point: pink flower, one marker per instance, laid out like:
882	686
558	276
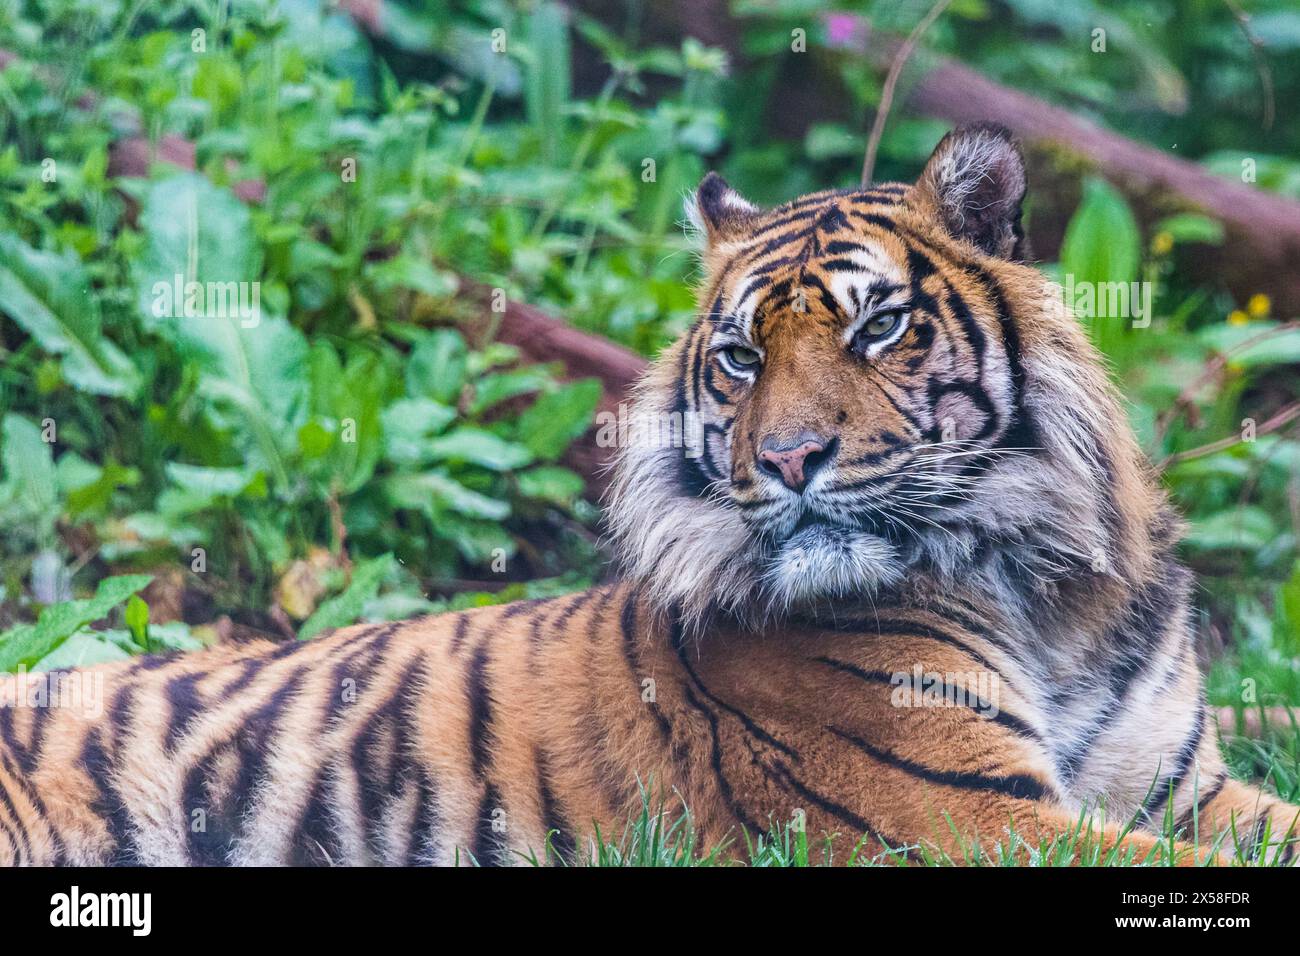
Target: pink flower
845	30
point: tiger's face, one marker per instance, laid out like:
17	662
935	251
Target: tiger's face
856	391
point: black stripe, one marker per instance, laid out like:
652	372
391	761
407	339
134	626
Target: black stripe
254	742
860	824
719	775
186	705
1018	786
627	624
898	627
316	841
557	828
679	645
1193	814
375	783
28	790
481	736
1002	718
1160	795
486	848
461	631
426	821
98	766
17	834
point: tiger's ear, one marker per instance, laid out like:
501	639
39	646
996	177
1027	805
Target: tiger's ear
975	179
717	210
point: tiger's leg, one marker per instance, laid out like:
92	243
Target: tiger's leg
985	793
1243	821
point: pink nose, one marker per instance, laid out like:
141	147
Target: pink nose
794	466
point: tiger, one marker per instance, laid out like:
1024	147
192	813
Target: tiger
898	576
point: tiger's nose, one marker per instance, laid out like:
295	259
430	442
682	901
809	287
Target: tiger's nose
795	465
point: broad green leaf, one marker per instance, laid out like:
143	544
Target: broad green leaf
436	367
26	644
1268	343
556	419
478	447
28	480
1192	227
1246	528
209	483
1100	254
434	492
85	648
199	238
195	232
409	424
477	541
137	620
49	296
550	483
498	387
345	608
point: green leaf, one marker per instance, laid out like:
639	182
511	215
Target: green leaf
193	231
1192	227
436	367
83	649
550	483
1241	529
345	608
209	483
26	644
433	492
492	389
1102	248
1273	347
557	418
478	447
350	401
49	296
409	424
137	620
28	480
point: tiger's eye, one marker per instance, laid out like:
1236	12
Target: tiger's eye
881	324
743	357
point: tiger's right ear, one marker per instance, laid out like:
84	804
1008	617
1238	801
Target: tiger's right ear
975	180
717	210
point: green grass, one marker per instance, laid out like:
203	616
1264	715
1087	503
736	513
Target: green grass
663	833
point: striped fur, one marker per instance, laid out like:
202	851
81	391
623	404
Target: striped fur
981	513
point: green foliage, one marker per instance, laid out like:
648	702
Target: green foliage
27	644
365	409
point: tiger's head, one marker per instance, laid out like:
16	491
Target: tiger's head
876	389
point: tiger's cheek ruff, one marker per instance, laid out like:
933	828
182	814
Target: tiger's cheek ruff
689	547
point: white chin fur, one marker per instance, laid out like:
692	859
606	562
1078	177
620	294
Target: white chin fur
829	562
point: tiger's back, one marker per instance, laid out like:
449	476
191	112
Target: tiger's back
511	734
493	736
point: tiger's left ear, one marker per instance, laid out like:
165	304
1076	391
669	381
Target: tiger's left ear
975	179
717	210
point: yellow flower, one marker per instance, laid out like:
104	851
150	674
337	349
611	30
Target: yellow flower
1258	305
1237	317
1161	243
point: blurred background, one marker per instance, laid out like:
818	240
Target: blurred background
462	223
